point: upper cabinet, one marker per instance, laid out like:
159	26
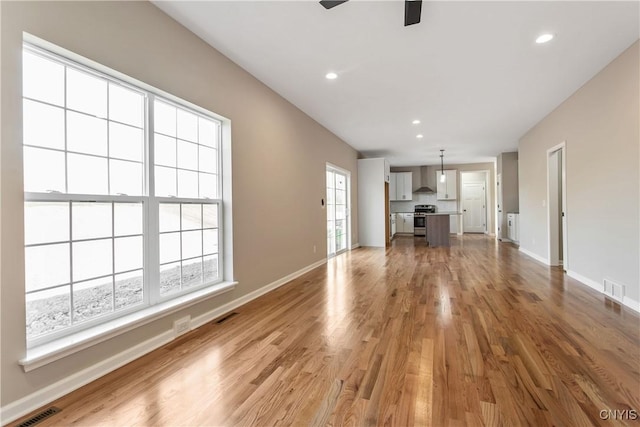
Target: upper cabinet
400	186
393	179
447	190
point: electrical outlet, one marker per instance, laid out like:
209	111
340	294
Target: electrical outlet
182	326
613	290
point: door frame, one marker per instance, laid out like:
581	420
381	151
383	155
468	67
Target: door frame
484	194
487	198
553	240
329	167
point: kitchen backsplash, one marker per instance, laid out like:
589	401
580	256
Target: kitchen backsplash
425	199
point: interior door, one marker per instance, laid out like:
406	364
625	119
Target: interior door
473	207
337	211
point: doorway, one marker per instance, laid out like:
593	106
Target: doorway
475	215
338	209
556	203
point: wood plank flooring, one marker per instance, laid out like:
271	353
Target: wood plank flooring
476	334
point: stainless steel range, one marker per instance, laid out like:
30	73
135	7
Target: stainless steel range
420	219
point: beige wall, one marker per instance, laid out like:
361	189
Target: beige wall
279	157
600	125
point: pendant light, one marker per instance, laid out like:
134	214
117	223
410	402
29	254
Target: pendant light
443	177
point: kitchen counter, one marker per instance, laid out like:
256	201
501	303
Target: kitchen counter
445	213
438	225
436	213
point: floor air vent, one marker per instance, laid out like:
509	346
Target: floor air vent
40	417
225	318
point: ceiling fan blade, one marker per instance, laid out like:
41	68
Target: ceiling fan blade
328	4
412	10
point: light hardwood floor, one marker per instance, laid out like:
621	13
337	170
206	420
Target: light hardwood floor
475	334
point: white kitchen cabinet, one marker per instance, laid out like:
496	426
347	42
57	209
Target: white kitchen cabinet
403	186
447	190
512	227
404	223
392	186
393	224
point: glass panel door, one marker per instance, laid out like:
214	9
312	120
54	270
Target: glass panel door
337	211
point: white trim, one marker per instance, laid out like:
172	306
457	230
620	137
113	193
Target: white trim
55	344
485	202
73	343
330	167
532	255
631	303
29	403
562	147
356	246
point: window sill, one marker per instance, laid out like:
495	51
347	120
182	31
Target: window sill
63	347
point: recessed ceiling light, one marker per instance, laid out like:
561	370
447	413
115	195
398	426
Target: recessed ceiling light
543	38
419	135
331	76
416	122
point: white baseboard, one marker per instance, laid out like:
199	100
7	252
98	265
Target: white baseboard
632	304
534	256
355	246
628	302
23	406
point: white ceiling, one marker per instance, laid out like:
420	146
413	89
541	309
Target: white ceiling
470	71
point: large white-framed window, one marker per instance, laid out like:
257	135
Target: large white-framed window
123	196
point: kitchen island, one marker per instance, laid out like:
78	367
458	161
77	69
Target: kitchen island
438	225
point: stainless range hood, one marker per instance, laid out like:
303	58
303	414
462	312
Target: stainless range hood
425	182
427	190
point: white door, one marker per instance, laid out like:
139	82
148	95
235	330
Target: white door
474	207
337	211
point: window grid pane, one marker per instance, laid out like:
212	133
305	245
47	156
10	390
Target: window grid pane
85	133
189	240
186	143
83	129
84	236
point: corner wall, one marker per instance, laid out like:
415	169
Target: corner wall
600	125
279	159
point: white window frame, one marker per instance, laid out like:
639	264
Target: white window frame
150	232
